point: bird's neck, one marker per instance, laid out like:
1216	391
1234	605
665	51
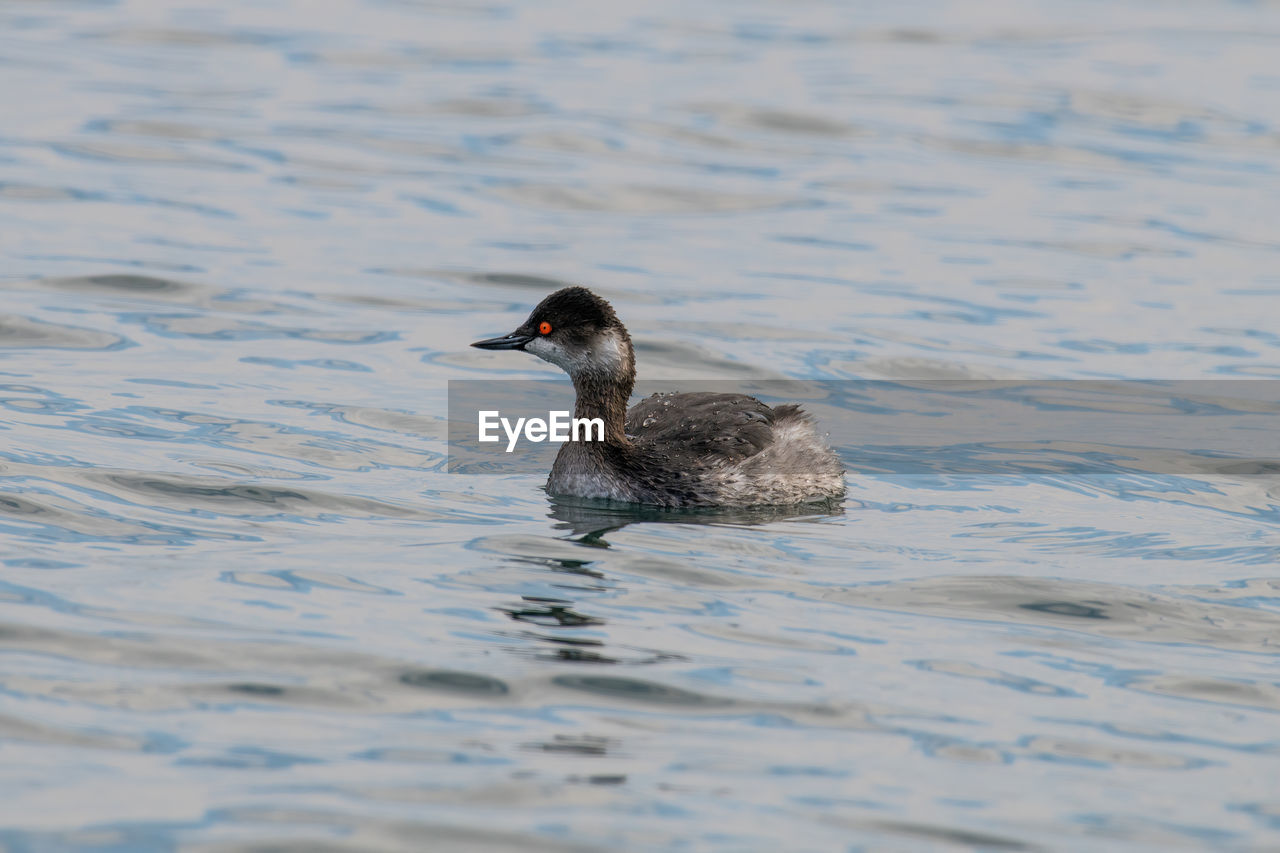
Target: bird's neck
604	397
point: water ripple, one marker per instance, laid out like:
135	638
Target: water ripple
245	603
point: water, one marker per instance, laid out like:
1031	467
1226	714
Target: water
244	248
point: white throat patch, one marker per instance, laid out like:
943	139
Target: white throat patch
606	355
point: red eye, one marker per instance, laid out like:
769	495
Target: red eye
544	327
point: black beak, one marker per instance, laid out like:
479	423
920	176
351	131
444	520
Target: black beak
515	340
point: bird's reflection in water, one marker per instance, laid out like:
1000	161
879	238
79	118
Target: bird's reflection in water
591	519
588	521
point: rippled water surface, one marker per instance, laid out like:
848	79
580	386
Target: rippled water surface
244	246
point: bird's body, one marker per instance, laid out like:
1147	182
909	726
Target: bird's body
669	450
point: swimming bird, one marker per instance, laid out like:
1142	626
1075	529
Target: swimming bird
669	450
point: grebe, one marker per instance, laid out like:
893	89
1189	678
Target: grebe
669	450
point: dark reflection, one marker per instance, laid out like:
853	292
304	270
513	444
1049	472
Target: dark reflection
575	745
1108	610
123	283
510	279
15	505
225	496
550	612
573	567
443	679
208	328
17	332
593	518
1077	609
1246	468
634	689
606	779
256	689
175	488
951	836
583	650
577	656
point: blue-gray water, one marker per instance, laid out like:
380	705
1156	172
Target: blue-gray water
243	247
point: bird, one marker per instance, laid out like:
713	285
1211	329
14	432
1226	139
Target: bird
670	450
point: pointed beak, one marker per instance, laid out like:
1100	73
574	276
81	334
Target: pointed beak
515	340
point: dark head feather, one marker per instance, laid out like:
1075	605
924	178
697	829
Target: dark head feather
576	308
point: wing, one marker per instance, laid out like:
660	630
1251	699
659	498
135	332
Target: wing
702	429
